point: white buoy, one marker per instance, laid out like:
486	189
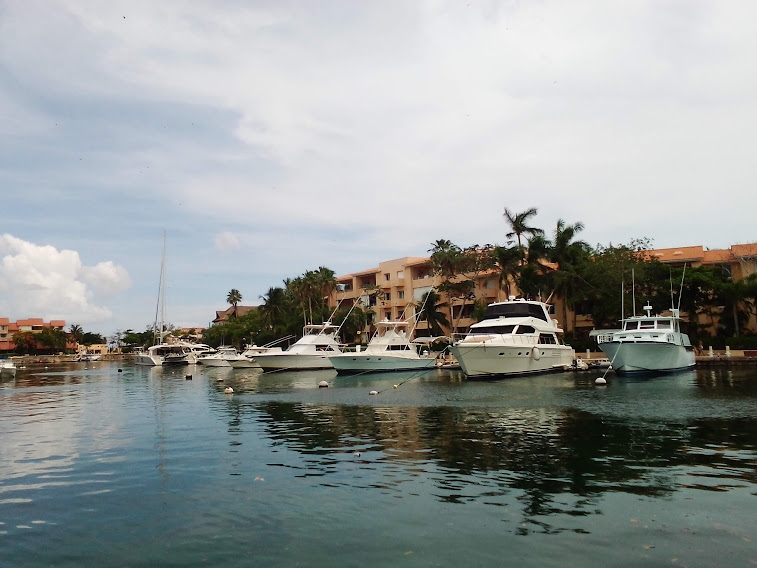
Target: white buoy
323	385
228	390
219	379
600	381
395	386
373	393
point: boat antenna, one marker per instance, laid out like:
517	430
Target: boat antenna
622	295
672	303
417	314
681	293
633	290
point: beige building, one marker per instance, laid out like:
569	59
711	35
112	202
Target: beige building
394	289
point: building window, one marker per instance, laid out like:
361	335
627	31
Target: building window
400	274
388	296
386	276
400	294
388	315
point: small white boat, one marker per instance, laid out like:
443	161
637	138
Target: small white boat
515	337
311	351
8	367
648	344
220	358
389	349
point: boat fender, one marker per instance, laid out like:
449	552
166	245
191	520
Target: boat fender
536	353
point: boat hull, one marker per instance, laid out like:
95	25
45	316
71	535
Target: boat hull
293	362
357	363
648	357
148	360
491	360
244	363
213	362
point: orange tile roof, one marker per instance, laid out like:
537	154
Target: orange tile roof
744	250
58	323
714	256
4	321
30	321
678	254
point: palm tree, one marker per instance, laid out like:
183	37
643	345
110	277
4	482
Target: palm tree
508	261
233	298
76	332
518	223
429	312
567	253
273	309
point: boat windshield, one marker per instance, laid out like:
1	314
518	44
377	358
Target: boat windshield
525	329
515	310
492	329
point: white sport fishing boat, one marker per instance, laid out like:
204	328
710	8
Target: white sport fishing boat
311	351
648	344
389	349
515	337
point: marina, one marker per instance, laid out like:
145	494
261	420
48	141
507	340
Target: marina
119	464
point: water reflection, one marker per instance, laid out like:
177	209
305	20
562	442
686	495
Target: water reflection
555	453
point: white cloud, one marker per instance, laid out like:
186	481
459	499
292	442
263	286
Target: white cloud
41	281
226	242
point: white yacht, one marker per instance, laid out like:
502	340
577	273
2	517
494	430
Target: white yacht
389	349
311	351
225	356
648	344
8	367
164	354
515	337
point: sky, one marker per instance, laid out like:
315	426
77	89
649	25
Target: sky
265	139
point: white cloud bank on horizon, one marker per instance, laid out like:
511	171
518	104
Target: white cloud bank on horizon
42	281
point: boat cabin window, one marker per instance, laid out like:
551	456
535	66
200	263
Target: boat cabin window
492	329
631	325
646	324
324	348
398	348
547	339
515	310
525	329
663	324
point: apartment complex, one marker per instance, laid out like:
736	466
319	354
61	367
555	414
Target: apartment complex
35	325
398	285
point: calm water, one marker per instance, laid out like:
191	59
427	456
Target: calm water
146	468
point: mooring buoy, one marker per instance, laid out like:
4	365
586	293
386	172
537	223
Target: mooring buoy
373	393
323	385
600	381
228	390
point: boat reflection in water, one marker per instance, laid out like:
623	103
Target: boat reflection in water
438	471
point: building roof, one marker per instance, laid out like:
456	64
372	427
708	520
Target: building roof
744	250
223	315
678	254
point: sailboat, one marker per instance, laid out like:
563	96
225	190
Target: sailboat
161	353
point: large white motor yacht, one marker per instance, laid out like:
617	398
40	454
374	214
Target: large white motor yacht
515	337
311	351
389	349
648	344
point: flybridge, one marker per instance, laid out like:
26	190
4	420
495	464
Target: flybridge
516	309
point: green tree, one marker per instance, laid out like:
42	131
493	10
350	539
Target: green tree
430	312
569	255
507	262
519	226
26	343
233	298
76	332
52	340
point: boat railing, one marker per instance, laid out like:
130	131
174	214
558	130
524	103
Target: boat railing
604	337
